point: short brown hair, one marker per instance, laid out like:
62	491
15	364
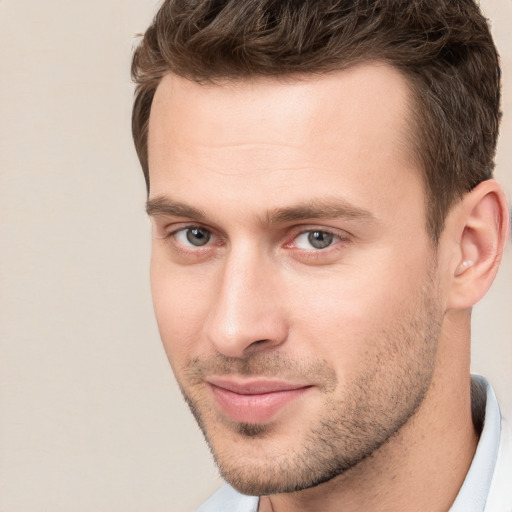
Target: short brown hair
443	47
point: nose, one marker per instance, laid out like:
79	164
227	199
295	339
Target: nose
246	316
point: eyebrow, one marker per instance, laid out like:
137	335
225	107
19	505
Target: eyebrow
319	209
162	206
330	208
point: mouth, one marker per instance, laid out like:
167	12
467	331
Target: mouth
254	401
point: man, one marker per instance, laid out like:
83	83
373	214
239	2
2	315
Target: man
324	218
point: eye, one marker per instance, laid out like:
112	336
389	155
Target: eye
315	239
194	235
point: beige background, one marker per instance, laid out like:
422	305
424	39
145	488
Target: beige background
90	417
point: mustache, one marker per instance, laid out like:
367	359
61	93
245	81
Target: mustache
317	371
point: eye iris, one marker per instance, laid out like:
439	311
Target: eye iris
198	236
320	239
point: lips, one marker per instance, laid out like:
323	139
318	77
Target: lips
255	401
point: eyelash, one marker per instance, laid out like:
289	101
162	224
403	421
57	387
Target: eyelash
311	253
336	237
318	256
191	249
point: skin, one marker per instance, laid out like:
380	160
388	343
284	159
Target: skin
375	326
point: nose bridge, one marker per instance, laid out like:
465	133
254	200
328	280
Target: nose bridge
245	308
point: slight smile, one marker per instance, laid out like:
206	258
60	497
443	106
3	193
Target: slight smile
255	401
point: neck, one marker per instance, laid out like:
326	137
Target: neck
433	450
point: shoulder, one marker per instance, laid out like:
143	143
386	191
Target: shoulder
226	498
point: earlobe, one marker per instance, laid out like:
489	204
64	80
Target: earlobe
482	226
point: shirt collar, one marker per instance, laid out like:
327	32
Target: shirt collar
473	493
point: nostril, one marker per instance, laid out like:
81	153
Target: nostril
257	342
258	345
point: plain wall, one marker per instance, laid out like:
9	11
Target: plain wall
90	417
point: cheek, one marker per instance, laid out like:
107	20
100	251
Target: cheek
346	318
181	307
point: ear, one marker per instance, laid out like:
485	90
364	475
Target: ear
481	228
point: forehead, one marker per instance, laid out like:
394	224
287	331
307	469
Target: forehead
234	111
348	130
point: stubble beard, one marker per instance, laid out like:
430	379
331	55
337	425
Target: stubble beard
357	421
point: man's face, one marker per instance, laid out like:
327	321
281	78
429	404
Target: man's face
293	280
